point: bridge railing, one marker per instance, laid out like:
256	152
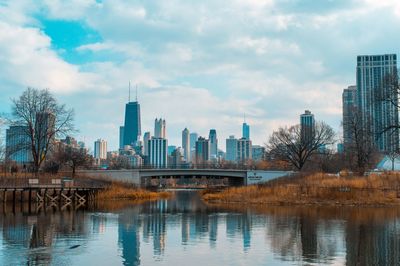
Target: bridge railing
203	166
51	182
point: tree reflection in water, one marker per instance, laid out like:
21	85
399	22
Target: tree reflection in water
305	235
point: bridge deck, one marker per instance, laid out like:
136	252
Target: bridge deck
18	183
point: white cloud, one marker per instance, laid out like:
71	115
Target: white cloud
27	60
200	64
72	9
393	5
266	46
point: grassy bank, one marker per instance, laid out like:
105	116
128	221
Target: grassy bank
381	189
122	191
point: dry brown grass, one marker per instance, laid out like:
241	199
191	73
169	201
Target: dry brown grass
120	191
317	189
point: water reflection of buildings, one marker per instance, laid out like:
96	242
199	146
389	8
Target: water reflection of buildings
314	237
213	222
239	223
155	225
128	237
99	223
304	237
371	244
39	232
301	235
196	220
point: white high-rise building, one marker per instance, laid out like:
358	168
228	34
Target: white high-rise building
160	128
231	149
100	149
158	152
186	144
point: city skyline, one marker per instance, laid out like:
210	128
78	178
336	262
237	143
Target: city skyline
271	69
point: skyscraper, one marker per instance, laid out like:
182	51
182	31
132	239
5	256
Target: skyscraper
176	158
132	126
193	138
231	149
146	138
349	103
170	149
244	149
202	150
100	149
44	131
121	137
307	124
186	144
159	128
213	143
258	153
245	131
18	144
376	114
158	152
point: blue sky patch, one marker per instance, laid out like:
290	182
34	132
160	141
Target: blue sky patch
66	36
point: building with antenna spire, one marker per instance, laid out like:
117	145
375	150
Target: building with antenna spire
132	125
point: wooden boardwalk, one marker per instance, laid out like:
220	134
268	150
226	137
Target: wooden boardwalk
48	191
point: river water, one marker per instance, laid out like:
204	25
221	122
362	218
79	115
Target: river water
185	231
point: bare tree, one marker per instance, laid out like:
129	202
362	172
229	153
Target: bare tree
389	93
120	162
361	150
289	144
41	119
74	158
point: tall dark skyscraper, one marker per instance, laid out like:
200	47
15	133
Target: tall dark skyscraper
202	150
349	100
213	143
121	137
307	123
132	126
45	125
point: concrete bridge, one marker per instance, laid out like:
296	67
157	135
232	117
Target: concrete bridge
149	177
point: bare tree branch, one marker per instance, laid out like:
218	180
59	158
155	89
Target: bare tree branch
42	120
361	149
288	144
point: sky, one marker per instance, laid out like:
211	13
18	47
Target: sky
197	64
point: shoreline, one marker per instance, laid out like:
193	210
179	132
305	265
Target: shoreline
314	190
113	191
123	192
298	204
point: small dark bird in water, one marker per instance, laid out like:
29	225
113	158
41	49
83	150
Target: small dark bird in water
74	246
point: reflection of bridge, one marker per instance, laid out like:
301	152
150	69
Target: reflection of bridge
229	177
